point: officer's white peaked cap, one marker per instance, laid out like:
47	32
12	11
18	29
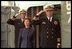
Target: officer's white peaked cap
22	11
47	6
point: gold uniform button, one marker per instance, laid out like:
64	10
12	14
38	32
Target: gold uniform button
52	36
47	32
47	28
47	36
52	29
52	32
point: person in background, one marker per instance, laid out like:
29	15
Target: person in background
17	23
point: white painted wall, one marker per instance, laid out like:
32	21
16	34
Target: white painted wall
26	4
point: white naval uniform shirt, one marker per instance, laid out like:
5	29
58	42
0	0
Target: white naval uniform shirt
49	18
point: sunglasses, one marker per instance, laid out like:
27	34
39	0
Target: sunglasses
22	13
49	10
